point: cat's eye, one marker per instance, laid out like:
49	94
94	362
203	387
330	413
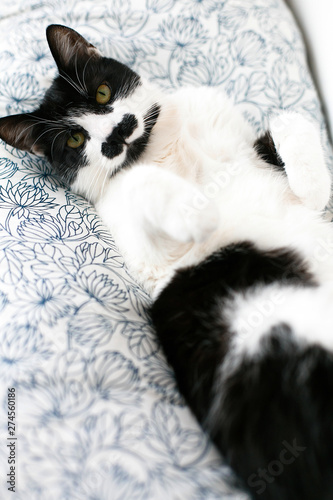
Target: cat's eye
76	140
103	94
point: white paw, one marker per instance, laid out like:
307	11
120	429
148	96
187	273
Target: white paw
187	216
187	225
298	143
315	192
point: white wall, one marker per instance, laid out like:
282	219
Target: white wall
315	17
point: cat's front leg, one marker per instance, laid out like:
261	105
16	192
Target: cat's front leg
176	207
150	203
298	143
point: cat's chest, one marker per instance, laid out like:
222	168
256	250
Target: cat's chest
198	133
195	158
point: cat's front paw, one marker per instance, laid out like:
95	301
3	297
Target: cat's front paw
310	180
315	194
182	213
186	224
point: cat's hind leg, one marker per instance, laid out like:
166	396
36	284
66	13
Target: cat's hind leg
298	150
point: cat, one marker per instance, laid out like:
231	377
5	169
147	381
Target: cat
225	230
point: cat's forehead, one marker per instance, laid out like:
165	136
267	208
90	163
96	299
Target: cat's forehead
99	126
76	89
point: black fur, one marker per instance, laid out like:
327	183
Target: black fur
275	427
188	318
266	149
249	426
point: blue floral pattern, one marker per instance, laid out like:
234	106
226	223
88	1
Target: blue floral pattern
98	414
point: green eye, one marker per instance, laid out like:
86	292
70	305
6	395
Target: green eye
103	94
76	140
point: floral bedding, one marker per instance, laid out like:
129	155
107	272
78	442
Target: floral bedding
89	407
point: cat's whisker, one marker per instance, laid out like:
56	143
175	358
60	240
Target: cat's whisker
43	120
48	120
125	87
84	73
25	130
54	139
43	133
94	183
85	92
90	188
149	119
71	82
97	179
101	169
104	181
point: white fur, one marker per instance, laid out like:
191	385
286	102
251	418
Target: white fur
200	186
253	314
298	143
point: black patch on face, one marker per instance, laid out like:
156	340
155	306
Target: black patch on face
137	147
195	334
114	144
266	149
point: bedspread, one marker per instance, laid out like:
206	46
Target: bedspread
97	412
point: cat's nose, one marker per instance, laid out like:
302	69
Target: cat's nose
116	136
120	136
115	142
124	129
114	147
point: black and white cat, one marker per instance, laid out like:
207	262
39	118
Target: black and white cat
225	230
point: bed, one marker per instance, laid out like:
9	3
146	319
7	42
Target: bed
97	412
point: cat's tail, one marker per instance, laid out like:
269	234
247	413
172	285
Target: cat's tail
273	419
240	332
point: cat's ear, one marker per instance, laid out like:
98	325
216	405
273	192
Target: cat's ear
68	46
19	131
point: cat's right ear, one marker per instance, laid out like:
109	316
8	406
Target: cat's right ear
19	131
67	46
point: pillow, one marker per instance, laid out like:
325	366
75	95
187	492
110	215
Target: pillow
98	414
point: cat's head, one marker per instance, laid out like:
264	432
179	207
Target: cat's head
94	120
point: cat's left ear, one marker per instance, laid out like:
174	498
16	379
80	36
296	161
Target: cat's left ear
19	131
68	46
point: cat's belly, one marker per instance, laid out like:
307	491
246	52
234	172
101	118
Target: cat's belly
300	230
253	205
271	224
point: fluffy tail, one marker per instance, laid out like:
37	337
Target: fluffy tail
273	421
269	413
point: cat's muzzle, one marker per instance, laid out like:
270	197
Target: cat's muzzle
120	137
